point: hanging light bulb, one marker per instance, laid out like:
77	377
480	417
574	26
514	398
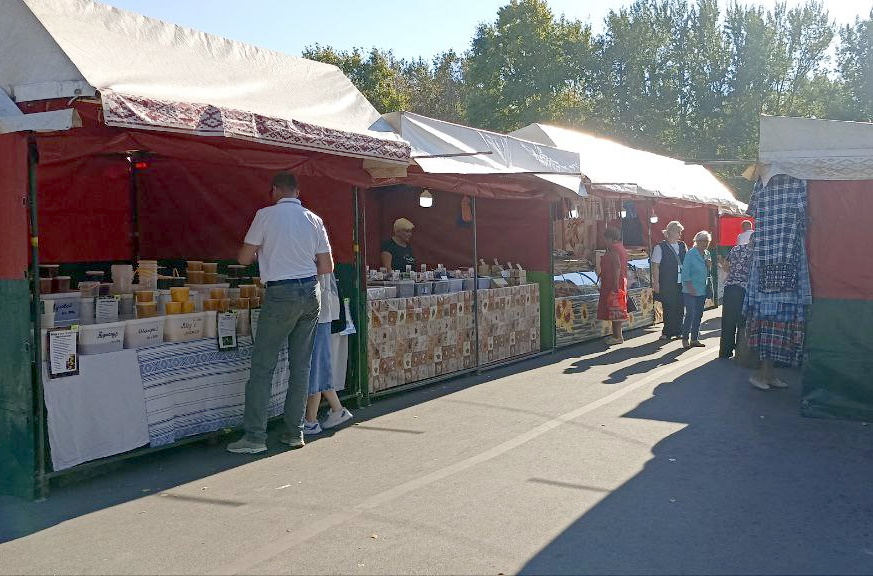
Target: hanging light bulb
623	213
425	200
653	219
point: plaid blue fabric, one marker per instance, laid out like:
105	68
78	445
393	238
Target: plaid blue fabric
779	288
780	342
779	209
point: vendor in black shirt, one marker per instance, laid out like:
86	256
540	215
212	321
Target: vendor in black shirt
396	251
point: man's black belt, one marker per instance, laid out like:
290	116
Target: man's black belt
292	281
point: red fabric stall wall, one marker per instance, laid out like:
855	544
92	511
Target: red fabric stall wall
13	209
509	230
694	219
439	237
838	239
201	210
197	196
729	227
516	231
84	210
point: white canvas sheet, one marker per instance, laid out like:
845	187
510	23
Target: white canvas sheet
504	154
64	48
617	168
812	149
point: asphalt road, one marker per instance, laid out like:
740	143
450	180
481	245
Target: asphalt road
639	459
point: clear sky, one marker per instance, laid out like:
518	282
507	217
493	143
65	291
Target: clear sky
410	28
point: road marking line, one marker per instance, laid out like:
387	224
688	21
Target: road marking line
246	563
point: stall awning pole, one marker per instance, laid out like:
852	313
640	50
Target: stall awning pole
35	312
360	249
475	280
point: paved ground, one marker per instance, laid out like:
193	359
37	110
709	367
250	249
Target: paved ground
641	459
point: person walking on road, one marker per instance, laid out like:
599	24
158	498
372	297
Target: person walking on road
733	322
612	305
695	274
292	249
667	258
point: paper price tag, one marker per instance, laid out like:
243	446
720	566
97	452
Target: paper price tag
62	352
106	309
227	330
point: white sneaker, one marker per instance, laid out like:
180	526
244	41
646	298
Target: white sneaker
759	383
336	418
777	383
311	428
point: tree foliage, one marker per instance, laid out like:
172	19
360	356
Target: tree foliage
688	78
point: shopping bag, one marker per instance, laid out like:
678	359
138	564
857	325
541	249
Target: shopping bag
745	356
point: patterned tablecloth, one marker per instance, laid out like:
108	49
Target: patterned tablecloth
576	316
413	339
193	387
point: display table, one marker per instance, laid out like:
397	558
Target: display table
576	316
155	396
414	339
509	322
193	387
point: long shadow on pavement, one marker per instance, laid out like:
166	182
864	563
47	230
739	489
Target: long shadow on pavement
748	486
118	482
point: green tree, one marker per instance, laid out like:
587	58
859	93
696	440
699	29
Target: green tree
855	65
527	67
778	65
438	89
379	75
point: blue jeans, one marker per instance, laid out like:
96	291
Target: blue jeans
693	316
289	314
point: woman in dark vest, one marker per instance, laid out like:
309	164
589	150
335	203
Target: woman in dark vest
667	259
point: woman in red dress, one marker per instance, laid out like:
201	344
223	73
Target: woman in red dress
612	306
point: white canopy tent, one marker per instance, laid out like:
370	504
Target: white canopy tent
440	147
619	169
811	149
12	119
154	75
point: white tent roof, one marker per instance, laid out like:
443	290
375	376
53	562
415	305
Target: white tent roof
811	149
617	168
156	75
444	148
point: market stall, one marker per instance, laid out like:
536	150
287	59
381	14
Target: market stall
135	217
632	190
481	241
831	163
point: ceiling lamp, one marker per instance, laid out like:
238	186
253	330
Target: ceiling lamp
425	200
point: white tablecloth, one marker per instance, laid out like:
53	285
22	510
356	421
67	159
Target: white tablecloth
158	395
99	412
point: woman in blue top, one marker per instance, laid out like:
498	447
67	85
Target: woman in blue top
695	273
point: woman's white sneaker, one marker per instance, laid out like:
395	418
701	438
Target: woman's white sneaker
336	418
311	428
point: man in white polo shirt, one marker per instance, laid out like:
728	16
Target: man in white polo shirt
292	249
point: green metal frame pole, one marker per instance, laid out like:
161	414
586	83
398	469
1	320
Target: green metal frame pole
553	218
360	248
475	279
36	368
